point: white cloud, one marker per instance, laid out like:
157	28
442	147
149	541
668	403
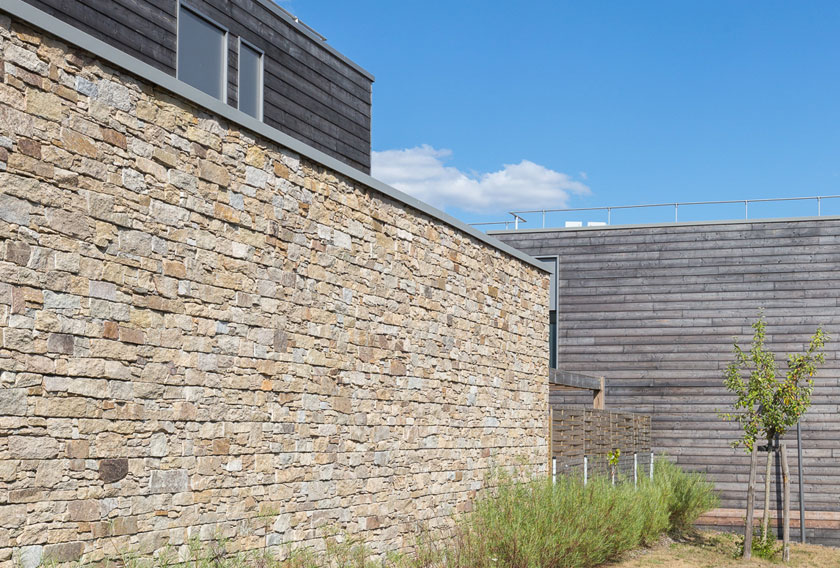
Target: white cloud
421	172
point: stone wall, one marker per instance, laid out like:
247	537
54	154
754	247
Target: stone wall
204	334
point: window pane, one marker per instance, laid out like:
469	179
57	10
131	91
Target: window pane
201	53
250	81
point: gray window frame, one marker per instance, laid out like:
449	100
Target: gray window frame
252	47
224	29
553	291
554	276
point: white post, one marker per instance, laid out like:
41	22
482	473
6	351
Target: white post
635	471
585	470
553	471
651	466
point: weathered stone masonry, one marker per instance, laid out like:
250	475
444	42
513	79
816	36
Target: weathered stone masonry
203	333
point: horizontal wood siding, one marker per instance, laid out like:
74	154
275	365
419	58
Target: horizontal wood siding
310	92
144	29
654	310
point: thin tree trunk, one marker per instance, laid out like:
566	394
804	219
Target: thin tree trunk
748	529
765	523
785	505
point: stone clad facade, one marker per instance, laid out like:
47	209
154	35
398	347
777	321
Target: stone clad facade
204	334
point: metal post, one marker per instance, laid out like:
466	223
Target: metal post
676	208
516	222
543	219
651	466
819	213
553	471
635	470
801	483
609	215
746	209
585	470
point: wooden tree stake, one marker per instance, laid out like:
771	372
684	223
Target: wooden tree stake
765	523
748	529
785	505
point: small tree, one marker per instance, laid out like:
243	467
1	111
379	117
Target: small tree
766	407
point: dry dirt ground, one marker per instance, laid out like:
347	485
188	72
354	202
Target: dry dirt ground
718	550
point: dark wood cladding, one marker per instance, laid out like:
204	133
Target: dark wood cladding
142	28
654	309
311	93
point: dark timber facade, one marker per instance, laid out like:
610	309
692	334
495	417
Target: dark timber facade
311	91
655	308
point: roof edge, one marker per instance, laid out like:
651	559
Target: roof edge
666	224
65	32
303	28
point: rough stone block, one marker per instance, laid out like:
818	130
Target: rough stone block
169	481
31	556
60	343
18	252
45	105
77	449
213	173
183	180
103	290
114	94
29	147
78	143
73	223
63	552
12	402
84	510
113	470
113	137
12	209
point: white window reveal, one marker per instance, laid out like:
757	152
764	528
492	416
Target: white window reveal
250	80
202	53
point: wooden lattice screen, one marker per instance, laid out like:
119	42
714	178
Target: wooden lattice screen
577	432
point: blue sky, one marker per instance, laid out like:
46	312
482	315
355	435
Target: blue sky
481	107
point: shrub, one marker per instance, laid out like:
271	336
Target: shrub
566	525
688	495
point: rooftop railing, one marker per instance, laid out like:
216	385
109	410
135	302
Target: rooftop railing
519	217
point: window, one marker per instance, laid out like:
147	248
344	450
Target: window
202	53
250	80
550	264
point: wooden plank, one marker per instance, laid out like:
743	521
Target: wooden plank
574	380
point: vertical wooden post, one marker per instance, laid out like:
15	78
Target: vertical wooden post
785	505
585	470
765	522
550	439
635	470
748	528
598	399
